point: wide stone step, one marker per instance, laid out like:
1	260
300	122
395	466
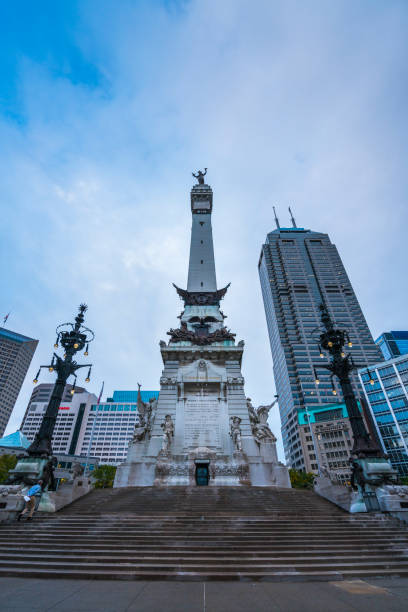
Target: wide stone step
231	500
339	550
292	576
201	541
216	534
208	518
225	538
230	532
157	566
202	552
202	559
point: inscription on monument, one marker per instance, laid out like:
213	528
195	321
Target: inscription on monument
202	422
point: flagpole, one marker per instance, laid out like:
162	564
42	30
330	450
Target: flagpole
93	429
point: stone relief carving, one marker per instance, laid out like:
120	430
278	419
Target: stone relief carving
184	334
201	298
164	380
259	425
179	470
168	432
235	432
235	380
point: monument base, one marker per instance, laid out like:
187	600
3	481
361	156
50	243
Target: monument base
168	469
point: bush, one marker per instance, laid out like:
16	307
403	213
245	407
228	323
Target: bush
301	480
7	463
404	480
104	476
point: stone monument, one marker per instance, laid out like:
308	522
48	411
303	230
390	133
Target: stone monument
202	429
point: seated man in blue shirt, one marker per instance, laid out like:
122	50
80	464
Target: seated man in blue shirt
30	503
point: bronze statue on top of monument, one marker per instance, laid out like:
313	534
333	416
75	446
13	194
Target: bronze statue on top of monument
200	176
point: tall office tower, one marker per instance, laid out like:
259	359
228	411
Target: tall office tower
71	413
16	353
299	269
393	343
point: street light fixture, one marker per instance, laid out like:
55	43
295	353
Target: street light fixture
365	450
72	337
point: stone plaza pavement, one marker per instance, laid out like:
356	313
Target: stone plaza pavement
373	594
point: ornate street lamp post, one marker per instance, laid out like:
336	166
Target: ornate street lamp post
72	337
370	467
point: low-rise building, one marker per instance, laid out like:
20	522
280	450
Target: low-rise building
70	417
393	344
85	428
14	444
108	427
327	439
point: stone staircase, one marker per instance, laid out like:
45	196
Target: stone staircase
204	533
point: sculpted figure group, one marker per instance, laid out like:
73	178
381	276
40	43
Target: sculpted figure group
146	415
259	422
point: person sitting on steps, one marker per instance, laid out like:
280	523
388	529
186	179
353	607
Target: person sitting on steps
31	500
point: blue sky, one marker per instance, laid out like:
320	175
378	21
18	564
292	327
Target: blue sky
107	107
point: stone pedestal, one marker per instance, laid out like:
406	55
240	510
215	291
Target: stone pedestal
52	501
11	502
338	494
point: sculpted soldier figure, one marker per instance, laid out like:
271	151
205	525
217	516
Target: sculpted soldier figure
168	432
235	432
200	176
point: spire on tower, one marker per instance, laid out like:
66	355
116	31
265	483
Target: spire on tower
292	218
276	218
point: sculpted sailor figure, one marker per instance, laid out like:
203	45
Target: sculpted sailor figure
235	432
168	432
200	176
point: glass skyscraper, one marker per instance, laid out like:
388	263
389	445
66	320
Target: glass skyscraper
16	353
393	343
299	269
386	391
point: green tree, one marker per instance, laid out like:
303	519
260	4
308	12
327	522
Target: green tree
301	480
104	476
7	463
404	480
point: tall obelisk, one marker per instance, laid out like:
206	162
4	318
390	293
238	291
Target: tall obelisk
202	430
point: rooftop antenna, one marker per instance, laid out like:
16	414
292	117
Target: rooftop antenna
292	218
276	218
